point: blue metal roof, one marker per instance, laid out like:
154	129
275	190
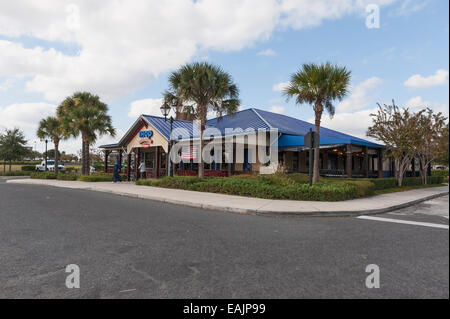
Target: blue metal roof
163	126
243	119
292	129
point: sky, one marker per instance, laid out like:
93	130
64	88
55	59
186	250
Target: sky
124	51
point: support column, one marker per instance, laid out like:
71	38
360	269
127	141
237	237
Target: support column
136	163
106	160
366	162
380	163
129	167
157	160
349	160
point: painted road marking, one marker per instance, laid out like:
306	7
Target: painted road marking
400	221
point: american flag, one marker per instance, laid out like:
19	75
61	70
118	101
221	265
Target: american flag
189	152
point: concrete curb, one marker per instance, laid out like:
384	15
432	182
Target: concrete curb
258	212
262	212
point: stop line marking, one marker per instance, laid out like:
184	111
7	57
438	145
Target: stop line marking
400	221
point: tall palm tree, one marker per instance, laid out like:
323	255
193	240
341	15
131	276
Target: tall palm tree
318	85
84	114
200	87
51	128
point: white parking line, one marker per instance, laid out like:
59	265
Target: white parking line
399	221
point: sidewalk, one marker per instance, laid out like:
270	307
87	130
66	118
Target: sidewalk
239	204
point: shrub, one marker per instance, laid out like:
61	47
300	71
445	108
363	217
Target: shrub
72	170
384	183
43	175
15	173
98	177
66	177
186	172
28	168
440	172
262	187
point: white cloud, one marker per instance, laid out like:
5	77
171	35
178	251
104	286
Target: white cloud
25	116
358	97
124	45
268	52
417	103
280	86
7	84
419	81
277	109
145	106
410	6
355	123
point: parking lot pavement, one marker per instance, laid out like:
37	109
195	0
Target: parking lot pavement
132	248
433	211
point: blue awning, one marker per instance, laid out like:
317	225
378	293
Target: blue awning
298	141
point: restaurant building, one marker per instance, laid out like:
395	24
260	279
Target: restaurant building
341	155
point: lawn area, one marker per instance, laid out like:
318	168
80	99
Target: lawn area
289	186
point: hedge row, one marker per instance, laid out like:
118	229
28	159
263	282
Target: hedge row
14	173
258	188
286	186
73	177
440	172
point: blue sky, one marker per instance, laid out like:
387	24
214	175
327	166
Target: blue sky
129	65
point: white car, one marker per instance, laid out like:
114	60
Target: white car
50	167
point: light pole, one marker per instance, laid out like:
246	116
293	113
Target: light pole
165	110
46	142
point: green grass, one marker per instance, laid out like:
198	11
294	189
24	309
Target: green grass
14	173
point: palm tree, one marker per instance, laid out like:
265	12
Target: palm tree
200	87
51	128
84	114
318	85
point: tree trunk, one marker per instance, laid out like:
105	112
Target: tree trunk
201	166
85	169
88	159
318	110
83	156
56	142
10	165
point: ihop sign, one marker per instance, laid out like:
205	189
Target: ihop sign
146	134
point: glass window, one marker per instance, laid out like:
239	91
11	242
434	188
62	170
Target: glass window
150	159
163	159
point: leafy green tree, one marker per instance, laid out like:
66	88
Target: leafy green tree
318	85
432	139
197	88
397	129
13	147
443	159
51	128
84	114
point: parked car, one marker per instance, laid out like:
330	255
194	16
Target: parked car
50	167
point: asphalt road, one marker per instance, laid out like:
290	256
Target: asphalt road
132	248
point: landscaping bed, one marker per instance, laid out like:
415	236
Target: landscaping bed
95	177
287	186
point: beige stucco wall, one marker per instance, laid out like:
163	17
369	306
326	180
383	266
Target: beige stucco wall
157	138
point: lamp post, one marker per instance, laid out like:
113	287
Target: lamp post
46	142
165	110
